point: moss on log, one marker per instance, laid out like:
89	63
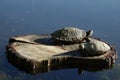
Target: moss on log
39	53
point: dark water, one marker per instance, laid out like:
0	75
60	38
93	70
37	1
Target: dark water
20	17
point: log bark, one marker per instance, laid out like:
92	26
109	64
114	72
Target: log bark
39	53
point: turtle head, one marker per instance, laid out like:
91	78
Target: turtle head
89	33
81	46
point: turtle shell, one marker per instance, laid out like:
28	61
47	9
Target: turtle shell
69	34
94	47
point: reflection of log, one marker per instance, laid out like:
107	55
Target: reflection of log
35	52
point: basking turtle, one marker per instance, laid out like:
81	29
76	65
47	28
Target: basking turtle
71	35
93	47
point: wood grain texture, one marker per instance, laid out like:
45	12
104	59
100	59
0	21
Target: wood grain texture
33	52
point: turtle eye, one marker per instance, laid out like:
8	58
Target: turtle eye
87	39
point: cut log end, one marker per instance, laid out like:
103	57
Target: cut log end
37	53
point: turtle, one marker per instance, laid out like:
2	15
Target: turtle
70	35
93	47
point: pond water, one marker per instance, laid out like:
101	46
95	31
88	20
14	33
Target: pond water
22	17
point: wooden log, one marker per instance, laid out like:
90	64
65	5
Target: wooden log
39	53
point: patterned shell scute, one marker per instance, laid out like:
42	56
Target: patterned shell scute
69	34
